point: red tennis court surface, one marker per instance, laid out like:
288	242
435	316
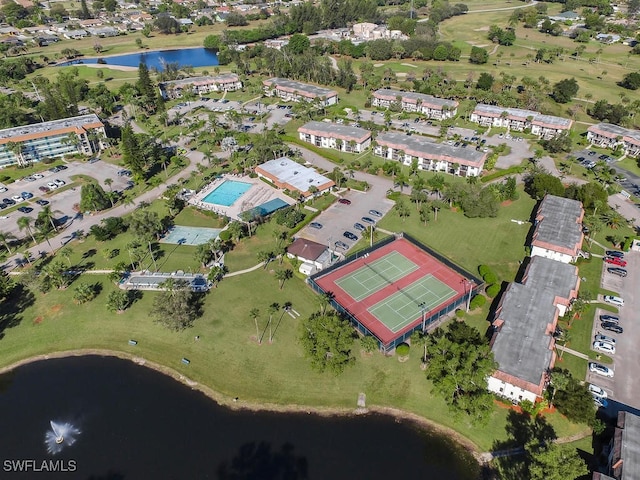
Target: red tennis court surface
361	308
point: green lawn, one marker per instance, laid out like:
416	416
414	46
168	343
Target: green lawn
498	242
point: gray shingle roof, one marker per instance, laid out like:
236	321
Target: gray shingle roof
335	130
559	222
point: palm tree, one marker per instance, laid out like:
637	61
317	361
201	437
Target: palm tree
324	300
66	253
284	275
255	313
273	308
47	213
108	182
369	232
24	223
5	239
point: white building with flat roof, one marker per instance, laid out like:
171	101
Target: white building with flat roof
286	174
293	91
32	143
331	135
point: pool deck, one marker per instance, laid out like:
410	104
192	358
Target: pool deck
258	194
146	280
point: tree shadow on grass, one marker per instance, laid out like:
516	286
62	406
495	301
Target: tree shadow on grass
257	461
13	307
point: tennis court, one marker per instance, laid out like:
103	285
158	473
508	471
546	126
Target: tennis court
376	274
403	307
182	235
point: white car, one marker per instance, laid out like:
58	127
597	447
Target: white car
17	198
597	391
604	338
604	347
59	182
600	370
3	189
37	175
52	185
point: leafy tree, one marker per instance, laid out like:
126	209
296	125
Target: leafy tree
327	341
176	307
85	292
298	43
93	197
565	90
631	81
485	81
118	301
571	398
539	184
553	461
459	363
478	55
235	19
606	112
369	343
145	225
559	143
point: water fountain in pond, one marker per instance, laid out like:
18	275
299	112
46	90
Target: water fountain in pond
61	435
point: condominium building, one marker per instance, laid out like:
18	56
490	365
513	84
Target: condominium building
32	143
331	135
432	156
623	461
227	82
432	107
558	229
524	324
607	135
517	119
292	91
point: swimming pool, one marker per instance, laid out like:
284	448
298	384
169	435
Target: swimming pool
227	193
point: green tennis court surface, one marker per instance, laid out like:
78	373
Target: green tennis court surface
375	275
403	307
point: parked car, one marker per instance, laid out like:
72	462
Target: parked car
375	213
368	220
613	300
609	318
52	185
8	201
342	245
44	189
600	370
614	253
3	189
616	261
315	225
37	175
3	206
350	236
25	209
621	272
604	347
597	391
17	198
26	195
42	203
611	327
344	201
62	167
591	153
604	338
600	402
59	182
359	227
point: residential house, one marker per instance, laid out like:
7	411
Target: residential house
313	255
431	156
432	107
517	119
524	324
607	135
292	91
557	230
286	174
345	138
75	34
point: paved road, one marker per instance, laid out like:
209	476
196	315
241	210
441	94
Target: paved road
623	387
86	222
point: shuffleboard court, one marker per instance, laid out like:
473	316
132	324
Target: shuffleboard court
403	307
375	275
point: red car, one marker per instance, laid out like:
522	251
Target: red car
344	201
616	261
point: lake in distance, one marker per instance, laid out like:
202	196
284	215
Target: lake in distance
194	57
137	423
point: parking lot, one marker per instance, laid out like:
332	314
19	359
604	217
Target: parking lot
61	200
623	387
